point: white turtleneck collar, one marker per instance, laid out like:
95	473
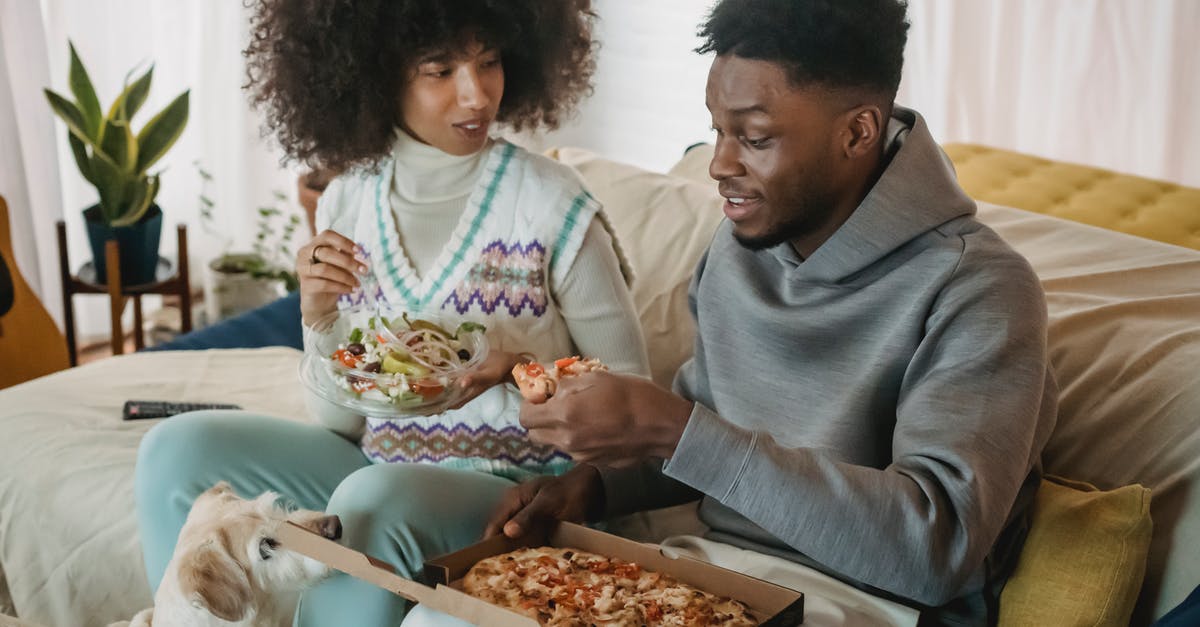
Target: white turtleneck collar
424	174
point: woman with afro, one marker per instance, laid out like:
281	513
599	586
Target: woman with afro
403	98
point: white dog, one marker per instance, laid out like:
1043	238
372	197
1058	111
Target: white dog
229	571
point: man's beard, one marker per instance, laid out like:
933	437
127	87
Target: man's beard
811	214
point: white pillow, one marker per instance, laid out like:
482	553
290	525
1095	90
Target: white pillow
664	225
694	165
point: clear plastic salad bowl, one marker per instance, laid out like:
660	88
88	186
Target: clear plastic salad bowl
389	362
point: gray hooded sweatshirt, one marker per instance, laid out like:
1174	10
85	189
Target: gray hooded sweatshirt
877	410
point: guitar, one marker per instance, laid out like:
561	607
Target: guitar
31	345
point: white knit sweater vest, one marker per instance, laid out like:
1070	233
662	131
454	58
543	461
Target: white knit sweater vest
523	223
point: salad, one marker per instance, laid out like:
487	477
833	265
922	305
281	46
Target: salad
408	363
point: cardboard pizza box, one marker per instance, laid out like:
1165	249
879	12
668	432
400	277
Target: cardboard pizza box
772	605
372	570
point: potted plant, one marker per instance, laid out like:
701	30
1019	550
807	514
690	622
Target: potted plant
241	281
116	160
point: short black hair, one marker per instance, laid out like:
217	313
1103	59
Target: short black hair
829	43
327	73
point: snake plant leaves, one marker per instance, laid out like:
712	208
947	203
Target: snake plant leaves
132	97
111	184
85	94
161	131
77	136
144	191
110	155
71	115
120	144
81	157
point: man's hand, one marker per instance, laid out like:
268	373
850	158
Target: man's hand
577	496
327	268
609	418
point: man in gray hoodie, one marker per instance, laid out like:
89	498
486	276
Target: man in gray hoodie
870	391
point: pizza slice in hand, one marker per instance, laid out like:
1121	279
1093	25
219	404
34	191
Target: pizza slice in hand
537	384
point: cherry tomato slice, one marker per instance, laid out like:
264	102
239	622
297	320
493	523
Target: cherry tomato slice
427	389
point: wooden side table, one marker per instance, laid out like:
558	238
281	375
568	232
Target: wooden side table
168	279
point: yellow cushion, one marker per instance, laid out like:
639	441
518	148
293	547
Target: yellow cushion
1121	202
1084	558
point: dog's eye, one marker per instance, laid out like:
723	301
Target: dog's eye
266	546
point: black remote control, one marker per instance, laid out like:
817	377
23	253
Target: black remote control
138	410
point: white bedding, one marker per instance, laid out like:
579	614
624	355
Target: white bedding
1125	340
68	539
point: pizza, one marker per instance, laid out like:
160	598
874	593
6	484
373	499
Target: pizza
563	586
538	383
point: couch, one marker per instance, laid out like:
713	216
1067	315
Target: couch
1125	342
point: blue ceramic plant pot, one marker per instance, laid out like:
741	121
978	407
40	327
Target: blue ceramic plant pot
137	244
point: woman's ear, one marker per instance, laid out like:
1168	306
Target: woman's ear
212	580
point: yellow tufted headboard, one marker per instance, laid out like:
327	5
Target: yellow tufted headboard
1147	208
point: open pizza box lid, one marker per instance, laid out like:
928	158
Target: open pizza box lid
442	598
772	605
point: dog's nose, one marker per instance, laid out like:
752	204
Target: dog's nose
331	527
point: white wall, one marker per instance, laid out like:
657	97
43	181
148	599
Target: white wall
649	99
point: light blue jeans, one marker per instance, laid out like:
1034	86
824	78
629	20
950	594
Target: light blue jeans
400	513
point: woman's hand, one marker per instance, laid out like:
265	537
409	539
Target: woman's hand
327	268
496	369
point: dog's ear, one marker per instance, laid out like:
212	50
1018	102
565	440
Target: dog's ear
212	580
221	487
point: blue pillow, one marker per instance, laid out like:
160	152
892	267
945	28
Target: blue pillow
1186	614
273	324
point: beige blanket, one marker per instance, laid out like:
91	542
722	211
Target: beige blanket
68	538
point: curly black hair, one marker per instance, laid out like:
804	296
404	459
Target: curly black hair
327	73
831	43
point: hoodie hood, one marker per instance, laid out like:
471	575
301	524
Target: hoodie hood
917	192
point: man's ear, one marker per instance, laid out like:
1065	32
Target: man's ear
863	130
212	580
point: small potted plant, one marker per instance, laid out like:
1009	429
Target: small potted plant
116	160
240	281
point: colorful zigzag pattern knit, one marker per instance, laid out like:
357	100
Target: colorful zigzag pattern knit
398	441
508	276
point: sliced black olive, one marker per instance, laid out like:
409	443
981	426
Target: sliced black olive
463	354
372	367
356	348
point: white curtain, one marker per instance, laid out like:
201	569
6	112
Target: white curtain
1110	83
28	154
